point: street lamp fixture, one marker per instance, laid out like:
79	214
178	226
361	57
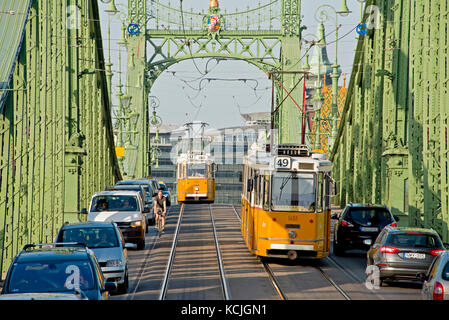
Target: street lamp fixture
126	100
306	66
344	10
122	42
112	9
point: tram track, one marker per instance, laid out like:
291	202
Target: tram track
177	240
282	295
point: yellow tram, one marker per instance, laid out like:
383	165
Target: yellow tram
286	203
196	177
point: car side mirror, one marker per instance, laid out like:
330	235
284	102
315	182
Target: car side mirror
146	209
332	188
422	276
334	216
396	218
110	286
446	245
83	211
130	245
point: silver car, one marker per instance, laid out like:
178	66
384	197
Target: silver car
108	245
436	281
404	253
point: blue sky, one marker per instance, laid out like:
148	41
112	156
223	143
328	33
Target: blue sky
220	102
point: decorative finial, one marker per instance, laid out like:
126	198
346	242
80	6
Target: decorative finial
213	3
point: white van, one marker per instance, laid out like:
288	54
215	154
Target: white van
125	208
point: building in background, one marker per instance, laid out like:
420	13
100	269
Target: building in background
228	146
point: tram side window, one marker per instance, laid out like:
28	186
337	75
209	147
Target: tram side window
266	193
321	186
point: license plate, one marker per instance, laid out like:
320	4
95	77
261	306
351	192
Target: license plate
414	255
367	229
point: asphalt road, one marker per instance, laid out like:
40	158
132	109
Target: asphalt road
195	270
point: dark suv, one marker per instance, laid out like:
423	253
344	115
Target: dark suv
358	226
57	268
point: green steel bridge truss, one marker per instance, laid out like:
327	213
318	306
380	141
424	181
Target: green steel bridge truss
392	146
57	146
268	36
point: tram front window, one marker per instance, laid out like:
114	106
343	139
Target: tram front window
293	192
196	170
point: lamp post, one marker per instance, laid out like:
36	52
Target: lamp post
120	111
319	40
322	15
111	11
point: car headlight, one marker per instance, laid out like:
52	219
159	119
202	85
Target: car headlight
136	224
292	234
113	263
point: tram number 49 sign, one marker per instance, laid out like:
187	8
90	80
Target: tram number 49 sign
283	163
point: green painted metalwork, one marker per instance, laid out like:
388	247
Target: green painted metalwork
56	138
175	34
392	145
13	15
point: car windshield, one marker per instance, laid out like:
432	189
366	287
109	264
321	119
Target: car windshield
94	237
196	170
114	203
414	240
58	276
370	216
293	192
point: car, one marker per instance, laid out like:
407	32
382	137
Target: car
154	183
57	268
125	208
108	245
43	296
436	280
147	200
403	253
358	226
150	190
165	192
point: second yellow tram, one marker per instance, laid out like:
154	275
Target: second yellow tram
286	203
196	178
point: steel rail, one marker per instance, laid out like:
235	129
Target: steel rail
164	286
224	284
273	280
333	283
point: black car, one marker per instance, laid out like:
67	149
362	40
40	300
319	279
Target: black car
359	225
57	268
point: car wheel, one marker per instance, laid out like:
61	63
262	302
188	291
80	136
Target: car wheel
338	249
123	288
141	244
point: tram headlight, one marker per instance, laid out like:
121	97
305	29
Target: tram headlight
292	234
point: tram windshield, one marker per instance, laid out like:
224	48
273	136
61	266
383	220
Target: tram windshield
196	170
293	192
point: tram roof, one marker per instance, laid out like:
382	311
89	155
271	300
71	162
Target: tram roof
266	161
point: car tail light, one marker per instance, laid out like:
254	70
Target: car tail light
345	223
386	249
436	252
394	224
438	291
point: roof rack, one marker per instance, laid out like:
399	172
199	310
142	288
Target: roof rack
33	245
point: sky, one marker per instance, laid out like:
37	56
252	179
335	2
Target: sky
220	103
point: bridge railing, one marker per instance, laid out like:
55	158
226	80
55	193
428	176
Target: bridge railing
392	146
56	140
